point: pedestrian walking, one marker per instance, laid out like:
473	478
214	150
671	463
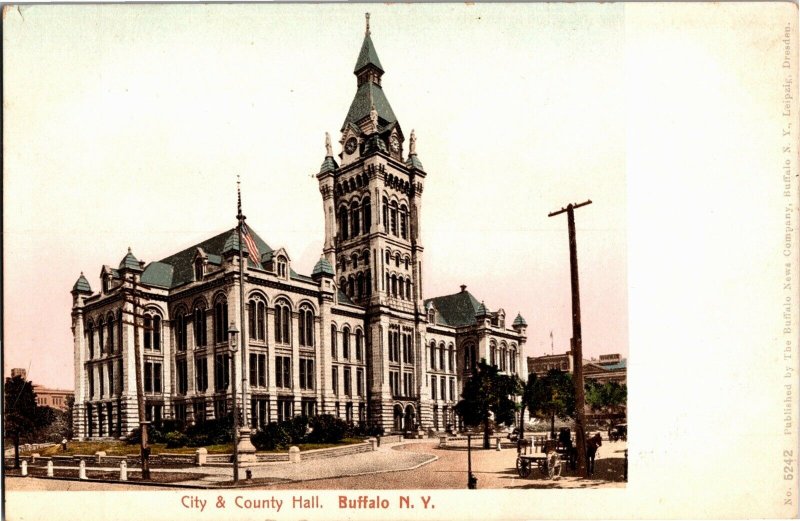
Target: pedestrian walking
591	451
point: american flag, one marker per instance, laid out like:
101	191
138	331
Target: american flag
255	256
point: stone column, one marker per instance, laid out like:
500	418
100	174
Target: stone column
295	325
79	358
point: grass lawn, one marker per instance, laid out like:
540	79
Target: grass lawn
120	448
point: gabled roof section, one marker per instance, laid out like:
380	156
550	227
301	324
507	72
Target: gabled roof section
158	274
182	262
367	56
367	94
455	310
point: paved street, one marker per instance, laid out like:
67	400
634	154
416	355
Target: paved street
412	465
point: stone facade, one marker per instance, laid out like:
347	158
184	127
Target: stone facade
355	339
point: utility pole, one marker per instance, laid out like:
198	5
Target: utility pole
144	450
577	346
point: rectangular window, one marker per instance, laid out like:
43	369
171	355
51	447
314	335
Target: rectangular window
91	382
148	377
347	382
360	382
201	373
394	382
348	411
408	384
157	377
443	387
200	327
258	413
335	380
102	381
283	371
334	349
180	411
452	389
284	410
309	408
220	408
222	372
433	388
306	374
199	411
181	374
121	377
111	378
451	360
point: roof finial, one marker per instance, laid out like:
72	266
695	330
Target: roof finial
328	147
239	197
129	249
367	15
412	147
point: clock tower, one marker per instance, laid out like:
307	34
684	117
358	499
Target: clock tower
372	204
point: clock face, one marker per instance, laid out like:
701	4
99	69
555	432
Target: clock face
395	144
350	145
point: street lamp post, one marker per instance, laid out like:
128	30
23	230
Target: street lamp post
232	332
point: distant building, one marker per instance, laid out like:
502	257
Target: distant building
45	396
607	368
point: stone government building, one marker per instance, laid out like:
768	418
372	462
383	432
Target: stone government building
355	338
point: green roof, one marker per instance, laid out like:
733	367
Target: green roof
129	261
323	267
367	94
482	311
455	310
519	321
368	56
178	269
413	162
82	285
232	243
329	165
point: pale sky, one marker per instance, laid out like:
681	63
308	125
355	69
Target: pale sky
127	125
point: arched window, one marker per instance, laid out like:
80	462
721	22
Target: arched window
451	358
90	338
283	315
221	322
387	256
493	354
306	326
351	284
354	260
346	343
152	332
503	358
403	222
397	260
442	354
343	284
360	279
283	272
180	331
334	347
367	208
355	212
406	262
401	289
394	285
256	310
200	327
110	328
385	215
198	269
359	345
393	218
343	226
433	354
368	283
512	360
100	334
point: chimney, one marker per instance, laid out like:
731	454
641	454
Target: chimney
463	288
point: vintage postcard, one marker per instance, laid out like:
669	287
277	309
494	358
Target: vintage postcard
400	261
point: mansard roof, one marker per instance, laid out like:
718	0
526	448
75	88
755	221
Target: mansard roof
455	310
178	269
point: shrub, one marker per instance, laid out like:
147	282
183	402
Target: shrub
153	436
198	440
176	439
327	429
297	428
273	436
217	432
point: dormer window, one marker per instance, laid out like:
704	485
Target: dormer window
282	267
198	269
431	315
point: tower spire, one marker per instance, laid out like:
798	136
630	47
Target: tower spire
367	17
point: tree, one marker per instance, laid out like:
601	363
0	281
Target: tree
608	396
550	397
488	395
23	418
